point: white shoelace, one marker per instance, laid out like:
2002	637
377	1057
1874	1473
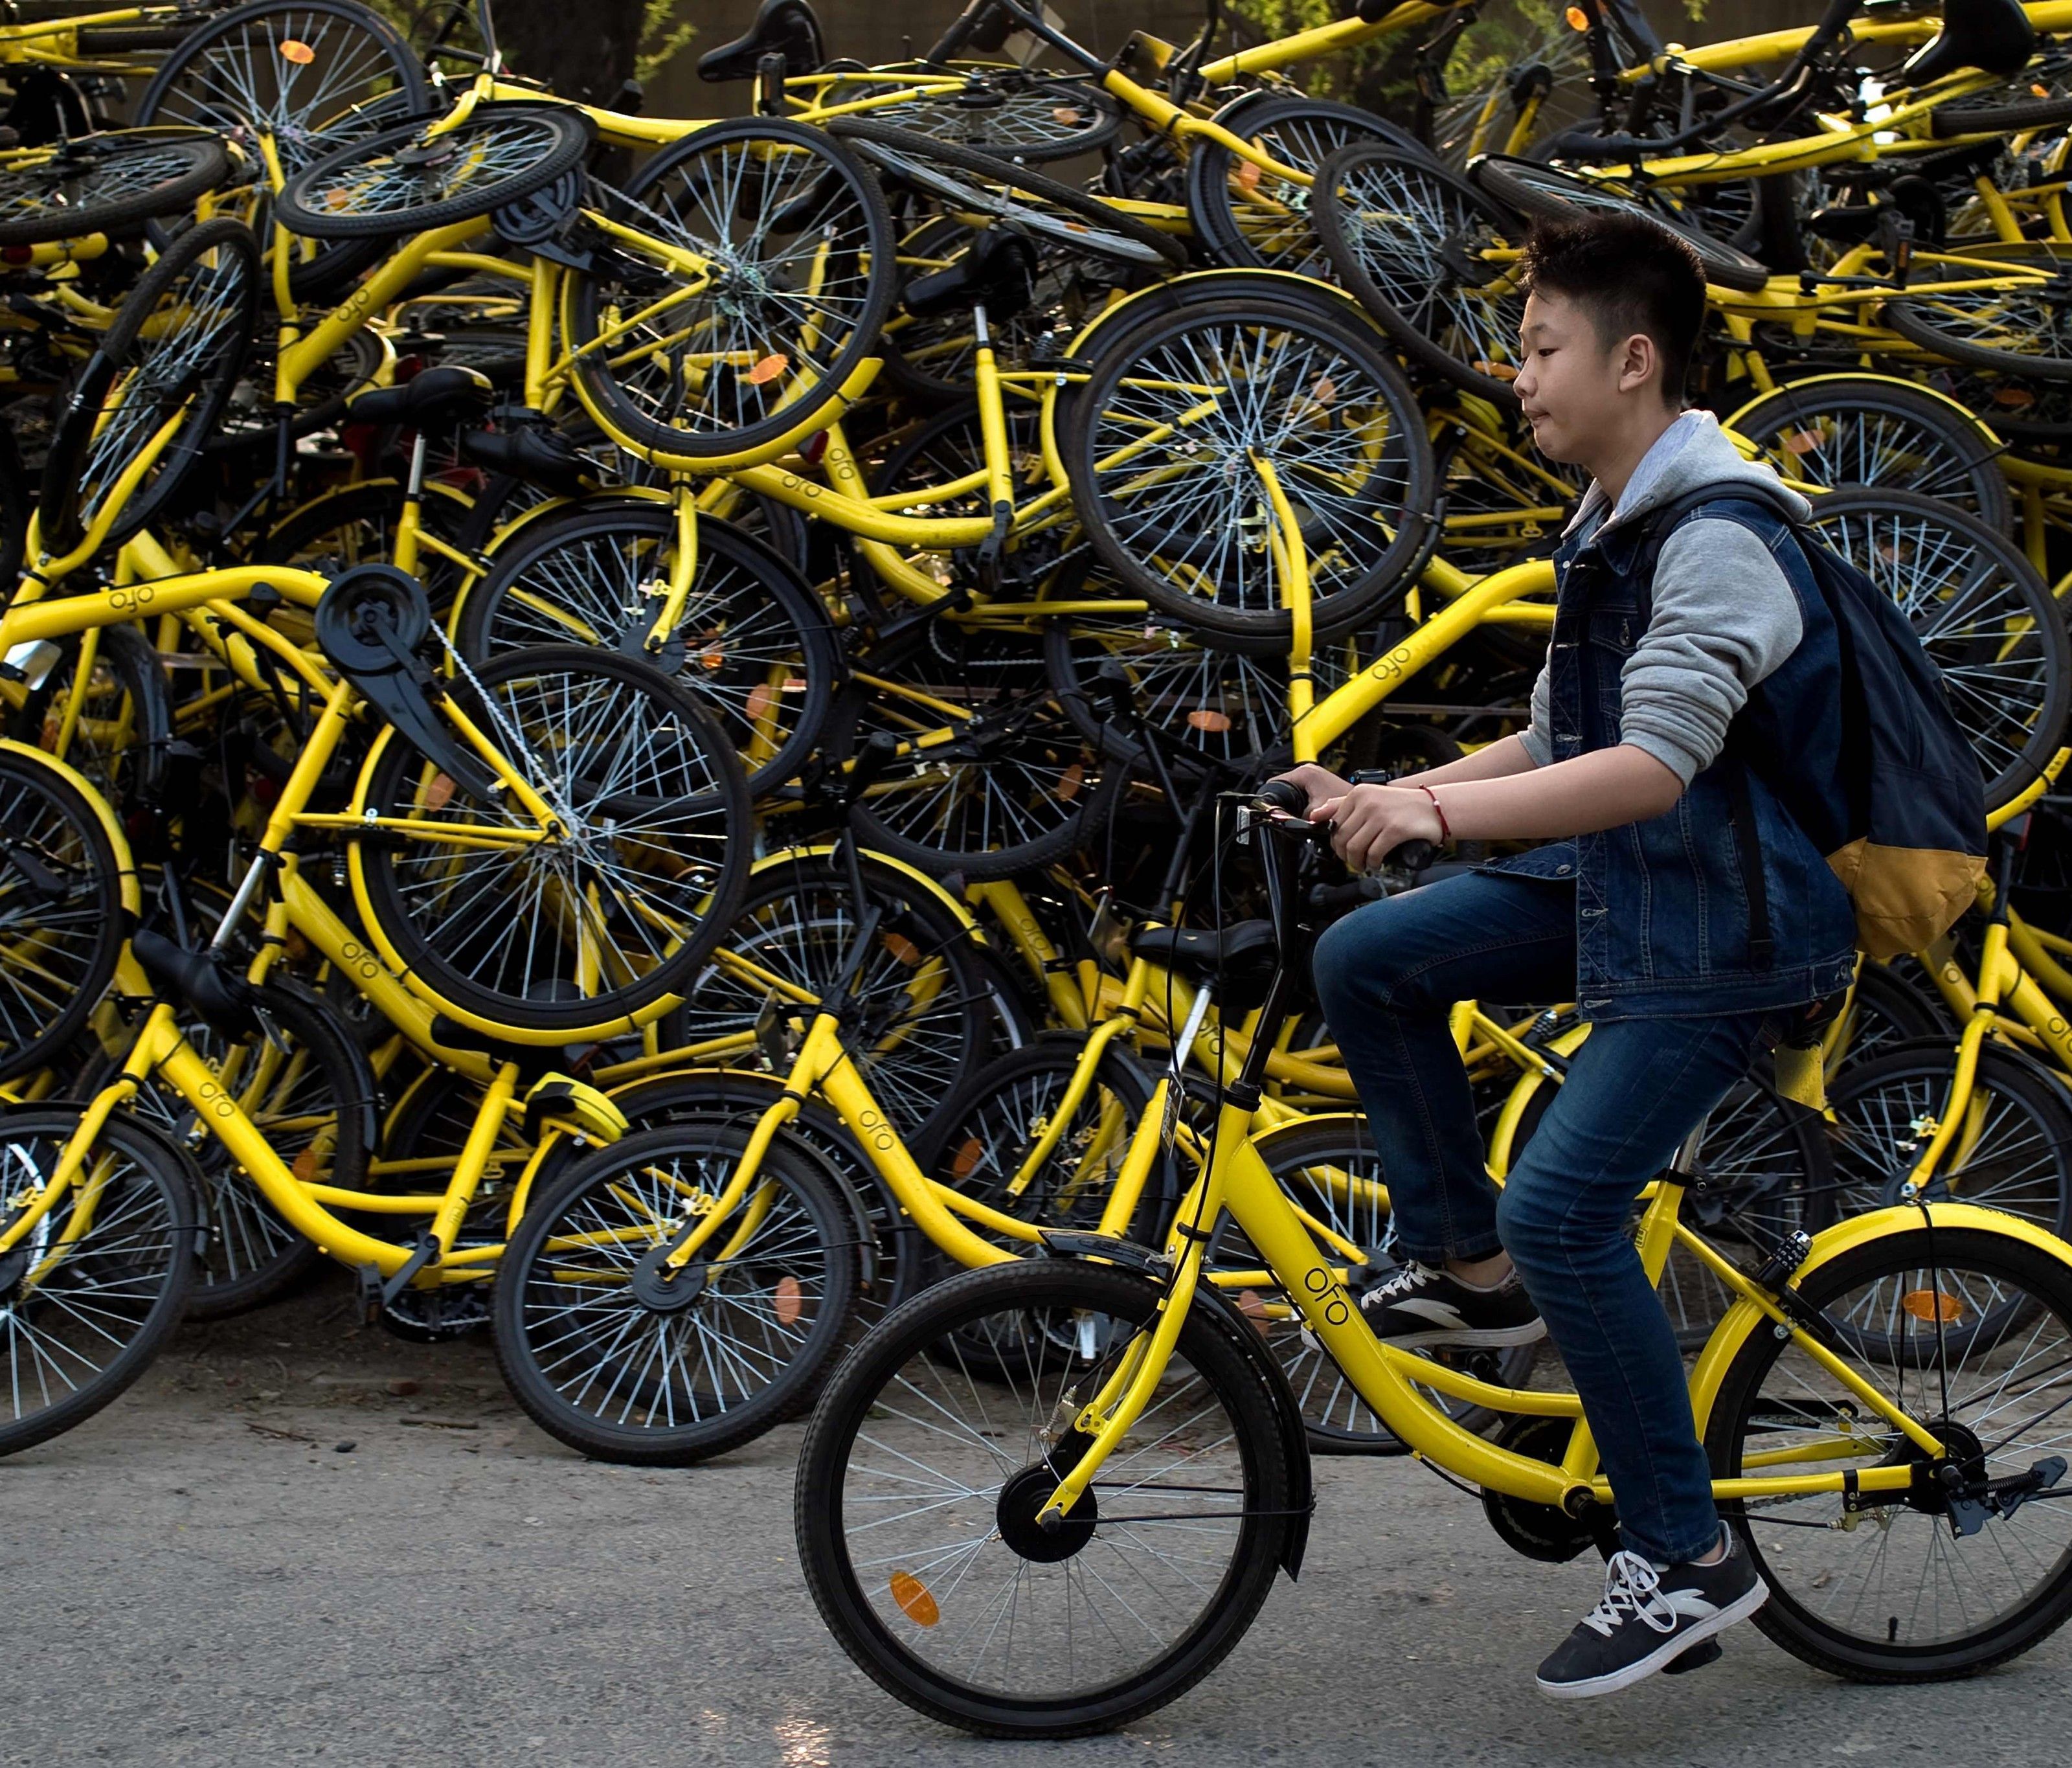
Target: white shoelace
1632	1588
1411	1278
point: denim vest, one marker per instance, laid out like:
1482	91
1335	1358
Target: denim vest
1664	907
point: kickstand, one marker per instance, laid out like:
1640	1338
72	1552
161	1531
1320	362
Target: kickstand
376	1291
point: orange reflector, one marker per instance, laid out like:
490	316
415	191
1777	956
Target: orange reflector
901	947
293	49
1501	370
791	1304
1248	176
714	659
2039	89
1067	114
1803	442
335	198
1068	786
915	1602
1932	1305
1217	721
760	699
768	369
1325	390
439	793
306	1166
964	1162
1249	1305
1578	19
2013	395
793	684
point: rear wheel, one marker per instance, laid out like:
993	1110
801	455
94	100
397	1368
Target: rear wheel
920	1480
1969	1333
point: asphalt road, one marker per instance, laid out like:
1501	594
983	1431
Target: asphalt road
200	1576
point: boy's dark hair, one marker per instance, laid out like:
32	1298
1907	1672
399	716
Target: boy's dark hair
1632	276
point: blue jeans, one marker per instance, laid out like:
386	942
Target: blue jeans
1386	976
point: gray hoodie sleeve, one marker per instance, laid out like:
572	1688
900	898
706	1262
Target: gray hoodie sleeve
1723	618
1538	736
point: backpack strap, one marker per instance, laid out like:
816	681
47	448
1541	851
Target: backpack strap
1661	523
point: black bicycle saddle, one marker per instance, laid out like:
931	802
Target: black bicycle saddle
1992	34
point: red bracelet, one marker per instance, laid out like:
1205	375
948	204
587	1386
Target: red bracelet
1445	833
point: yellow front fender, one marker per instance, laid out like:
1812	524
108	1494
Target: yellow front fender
1745	1318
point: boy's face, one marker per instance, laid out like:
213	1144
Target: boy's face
1573	388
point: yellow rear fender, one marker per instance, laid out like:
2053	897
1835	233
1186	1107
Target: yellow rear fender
1744	1319
125	866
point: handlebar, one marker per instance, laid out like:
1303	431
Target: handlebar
1285	796
1791	84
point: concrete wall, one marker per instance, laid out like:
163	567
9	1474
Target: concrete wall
880	31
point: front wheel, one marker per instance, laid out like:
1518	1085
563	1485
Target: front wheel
1968	1332
921	1478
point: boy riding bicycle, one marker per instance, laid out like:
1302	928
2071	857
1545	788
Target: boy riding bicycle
1677	902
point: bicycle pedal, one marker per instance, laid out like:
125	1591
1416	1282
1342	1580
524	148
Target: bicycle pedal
1705	1651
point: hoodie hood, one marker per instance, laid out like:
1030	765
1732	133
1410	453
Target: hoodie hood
1692	454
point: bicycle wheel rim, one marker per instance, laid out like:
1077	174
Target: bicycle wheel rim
607	919
809	256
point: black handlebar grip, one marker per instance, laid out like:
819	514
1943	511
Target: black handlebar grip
1284	796
1414	856
873	761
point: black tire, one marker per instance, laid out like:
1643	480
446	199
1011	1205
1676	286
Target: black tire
1100	229
922	1020
1542	194
1311	379
1222	1387
2017	1156
1823	1608
1403	237
104	184
61	912
317	1110
750	620
608	1409
403	181
1985	617
203	293
679	846
818	189
129	40
135	1258
1306	1158
1272	230
2020	325
1845	430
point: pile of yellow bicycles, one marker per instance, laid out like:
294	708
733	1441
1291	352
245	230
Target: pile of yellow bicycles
648	734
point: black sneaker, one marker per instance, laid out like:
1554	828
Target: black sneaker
1649	1618
1418	1304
